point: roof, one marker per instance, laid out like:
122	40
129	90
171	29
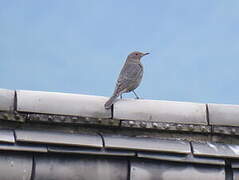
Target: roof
47	135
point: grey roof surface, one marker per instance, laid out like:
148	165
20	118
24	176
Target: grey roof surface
86	106
6	100
215	149
62	103
7	136
46	135
146	144
171	171
78	158
58	138
160	111
224	114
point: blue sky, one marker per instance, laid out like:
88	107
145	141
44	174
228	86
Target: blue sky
80	46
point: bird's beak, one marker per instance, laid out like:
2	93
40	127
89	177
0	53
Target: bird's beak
145	54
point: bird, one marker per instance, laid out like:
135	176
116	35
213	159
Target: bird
129	78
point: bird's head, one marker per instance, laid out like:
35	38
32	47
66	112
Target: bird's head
137	55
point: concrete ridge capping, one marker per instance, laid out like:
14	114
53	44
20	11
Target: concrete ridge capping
93	106
62	104
161	111
126	109
6	100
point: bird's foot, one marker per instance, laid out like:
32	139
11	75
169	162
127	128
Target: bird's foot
136	96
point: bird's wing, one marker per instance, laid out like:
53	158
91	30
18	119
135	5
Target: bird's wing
129	74
130	71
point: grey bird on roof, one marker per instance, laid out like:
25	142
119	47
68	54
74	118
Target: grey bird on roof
129	78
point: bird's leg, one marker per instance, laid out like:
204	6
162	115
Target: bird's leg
137	97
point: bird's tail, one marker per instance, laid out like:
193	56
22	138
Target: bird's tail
110	102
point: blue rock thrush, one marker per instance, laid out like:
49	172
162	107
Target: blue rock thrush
129	78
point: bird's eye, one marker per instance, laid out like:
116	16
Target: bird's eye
136	54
